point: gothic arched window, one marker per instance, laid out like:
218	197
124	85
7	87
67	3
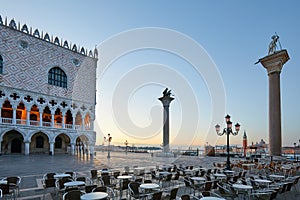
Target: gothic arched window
1	64
57	77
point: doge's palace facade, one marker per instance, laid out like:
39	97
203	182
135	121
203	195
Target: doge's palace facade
47	93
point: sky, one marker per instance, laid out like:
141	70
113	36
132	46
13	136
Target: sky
204	51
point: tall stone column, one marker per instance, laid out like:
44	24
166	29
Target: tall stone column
63	119
72	148
28	117
41	119
52	117
14	120
27	148
82	123
166	100
92	150
273	64
73	122
51	152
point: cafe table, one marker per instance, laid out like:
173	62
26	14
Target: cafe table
241	187
74	184
263	182
219	176
276	177
164	173
149	186
59	176
94	196
211	198
122	177
198	178
189	171
249	165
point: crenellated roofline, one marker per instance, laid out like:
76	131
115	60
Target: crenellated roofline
46	37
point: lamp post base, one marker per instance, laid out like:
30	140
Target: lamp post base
228	166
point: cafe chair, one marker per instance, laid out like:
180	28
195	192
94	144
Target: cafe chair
225	193
49	183
188	197
60	187
188	184
124	186
72	174
134	192
106	181
157	196
94	176
172	195
14	183
105	189
5	192
84	179
73	195
209	194
89	188
48	175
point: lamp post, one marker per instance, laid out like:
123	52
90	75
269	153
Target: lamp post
108	139
295	150
126	144
228	131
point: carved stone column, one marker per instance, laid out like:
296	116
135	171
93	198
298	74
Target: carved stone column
28	117
166	100
273	64
41	119
14	120
51	152
73	148
27	147
73	125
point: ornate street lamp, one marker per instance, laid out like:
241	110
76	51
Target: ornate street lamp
228	131
126	144
108	139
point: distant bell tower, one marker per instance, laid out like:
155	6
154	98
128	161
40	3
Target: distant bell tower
245	143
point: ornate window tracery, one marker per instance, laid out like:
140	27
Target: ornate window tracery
57	77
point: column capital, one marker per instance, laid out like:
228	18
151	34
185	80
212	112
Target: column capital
166	100
274	62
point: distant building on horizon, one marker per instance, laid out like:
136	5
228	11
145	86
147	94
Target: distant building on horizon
245	143
47	93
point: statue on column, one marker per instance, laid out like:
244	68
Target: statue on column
167	92
273	44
